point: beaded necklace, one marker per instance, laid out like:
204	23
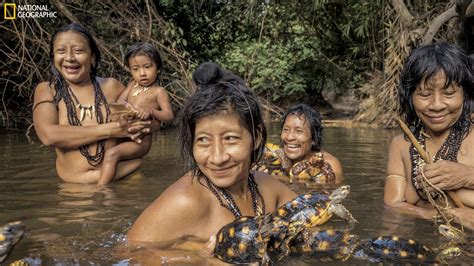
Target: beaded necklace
448	151
231	205
97	158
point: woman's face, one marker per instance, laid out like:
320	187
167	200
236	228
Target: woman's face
437	107
222	148
296	137
72	57
144	70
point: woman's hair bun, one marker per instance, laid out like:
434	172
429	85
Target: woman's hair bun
207	73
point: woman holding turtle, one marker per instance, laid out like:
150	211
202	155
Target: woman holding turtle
222	135
301	156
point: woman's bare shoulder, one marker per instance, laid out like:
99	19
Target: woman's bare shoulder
44	86
107	83
331	159
399	142
44	91
186	193
111	87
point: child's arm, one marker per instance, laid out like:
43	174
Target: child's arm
124	95
165	114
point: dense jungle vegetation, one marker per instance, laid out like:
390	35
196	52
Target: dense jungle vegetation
340	56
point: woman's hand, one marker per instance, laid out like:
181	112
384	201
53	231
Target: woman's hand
138	129
209	247
133	129
447	175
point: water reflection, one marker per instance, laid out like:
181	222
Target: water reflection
84	224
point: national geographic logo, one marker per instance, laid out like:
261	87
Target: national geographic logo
9	10
12	11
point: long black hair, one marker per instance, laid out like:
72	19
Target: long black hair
218	93
313	119
424	63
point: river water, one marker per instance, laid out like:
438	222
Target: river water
71	224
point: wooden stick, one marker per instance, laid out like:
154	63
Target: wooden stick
426	158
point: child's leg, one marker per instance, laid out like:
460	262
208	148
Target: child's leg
123	151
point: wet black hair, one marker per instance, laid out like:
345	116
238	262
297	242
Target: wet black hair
143	48
424	63
314	121
228	93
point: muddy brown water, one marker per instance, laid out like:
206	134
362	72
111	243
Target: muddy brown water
71	224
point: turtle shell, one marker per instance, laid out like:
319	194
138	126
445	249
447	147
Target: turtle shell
329	243
314	169
396	249
273	161
304	211
240	241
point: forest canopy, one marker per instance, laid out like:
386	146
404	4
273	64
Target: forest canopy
316	51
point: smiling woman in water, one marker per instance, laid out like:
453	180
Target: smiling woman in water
222	135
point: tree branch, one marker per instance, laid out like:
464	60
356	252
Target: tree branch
63	10
469	10
438	22
405	16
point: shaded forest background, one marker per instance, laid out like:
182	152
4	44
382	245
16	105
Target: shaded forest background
343	57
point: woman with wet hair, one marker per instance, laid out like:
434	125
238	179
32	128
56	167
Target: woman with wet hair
222	135
435	94
71	112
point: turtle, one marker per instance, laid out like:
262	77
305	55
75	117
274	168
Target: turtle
10	234
241	241
273	161
121	112
458	243
325	244
314	169
304	212
395	249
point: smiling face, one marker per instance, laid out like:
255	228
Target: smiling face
222	148
438	107
144	70
296	138
72	57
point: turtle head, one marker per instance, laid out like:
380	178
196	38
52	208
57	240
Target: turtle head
451	233
450	252
339	194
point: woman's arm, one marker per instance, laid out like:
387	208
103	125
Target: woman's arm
396	183
46	121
